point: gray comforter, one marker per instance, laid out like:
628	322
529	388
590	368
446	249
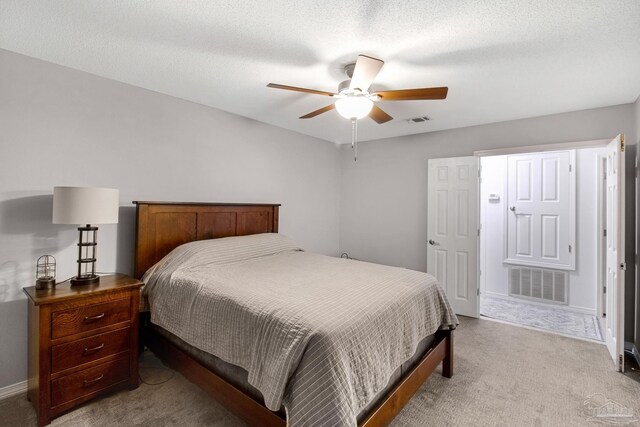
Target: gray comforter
318	335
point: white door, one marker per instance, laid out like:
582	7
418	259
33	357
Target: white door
614	323
452	230
541	201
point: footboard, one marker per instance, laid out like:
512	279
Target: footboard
255	413
442	351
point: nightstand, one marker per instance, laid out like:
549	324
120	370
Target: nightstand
83	342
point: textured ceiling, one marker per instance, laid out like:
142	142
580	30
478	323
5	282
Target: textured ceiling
501	60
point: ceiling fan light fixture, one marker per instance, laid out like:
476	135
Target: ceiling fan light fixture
354	107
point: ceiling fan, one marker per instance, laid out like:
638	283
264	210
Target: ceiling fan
353	98
354	101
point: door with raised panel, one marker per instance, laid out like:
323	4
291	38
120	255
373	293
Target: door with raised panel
541	209
452	230
615	268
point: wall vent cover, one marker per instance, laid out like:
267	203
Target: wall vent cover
538	283
418	119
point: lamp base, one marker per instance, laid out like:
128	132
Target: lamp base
87	279
45	282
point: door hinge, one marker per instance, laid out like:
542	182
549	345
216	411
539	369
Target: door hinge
478	232
570	168
569	248
622	142
623	266
605	232
478	292
604	289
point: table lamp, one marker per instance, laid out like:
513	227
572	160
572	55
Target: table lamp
86	205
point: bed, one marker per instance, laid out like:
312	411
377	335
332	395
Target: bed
331	341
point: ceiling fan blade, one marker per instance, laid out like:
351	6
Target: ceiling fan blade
379	116
366	70
300	89
413	94
318	112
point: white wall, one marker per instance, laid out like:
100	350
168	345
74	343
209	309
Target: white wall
494	278
59	126
582	280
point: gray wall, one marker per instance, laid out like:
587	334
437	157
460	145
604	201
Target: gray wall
383	214
59	126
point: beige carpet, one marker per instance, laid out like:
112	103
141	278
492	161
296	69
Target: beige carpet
503	375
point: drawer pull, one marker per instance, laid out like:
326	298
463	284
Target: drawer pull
93	318
93	381
91	350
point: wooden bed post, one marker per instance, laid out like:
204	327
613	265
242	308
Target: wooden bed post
447	362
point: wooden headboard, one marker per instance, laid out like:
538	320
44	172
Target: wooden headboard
163	226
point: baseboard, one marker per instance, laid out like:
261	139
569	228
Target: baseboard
13	389
573	308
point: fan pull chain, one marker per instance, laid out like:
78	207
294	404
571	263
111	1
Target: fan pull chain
354	138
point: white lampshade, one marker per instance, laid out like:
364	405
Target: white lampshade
354	107
85	205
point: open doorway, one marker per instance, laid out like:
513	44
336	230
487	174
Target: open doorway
460	242
542	246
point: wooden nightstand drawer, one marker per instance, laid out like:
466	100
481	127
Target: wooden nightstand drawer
83	343
89	381
75	353
81	319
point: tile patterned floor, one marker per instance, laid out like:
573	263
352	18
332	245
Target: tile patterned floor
540	316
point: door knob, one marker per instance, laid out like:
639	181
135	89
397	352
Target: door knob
512	208
433	242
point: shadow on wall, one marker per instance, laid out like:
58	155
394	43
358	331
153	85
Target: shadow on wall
13	336
126	240
26	232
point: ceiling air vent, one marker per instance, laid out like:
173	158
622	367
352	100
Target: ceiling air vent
418	119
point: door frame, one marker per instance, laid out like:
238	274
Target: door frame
561	146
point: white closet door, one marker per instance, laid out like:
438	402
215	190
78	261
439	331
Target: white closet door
452	229
614	323
541	203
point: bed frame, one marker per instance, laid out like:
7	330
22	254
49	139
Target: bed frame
162	226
